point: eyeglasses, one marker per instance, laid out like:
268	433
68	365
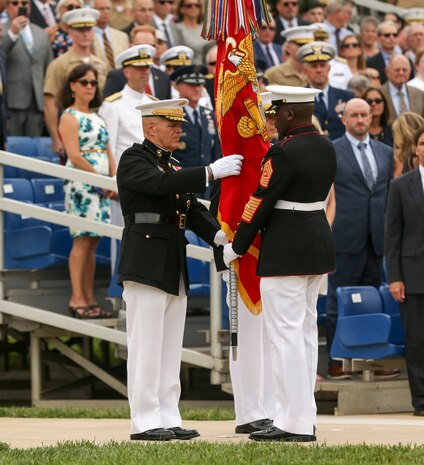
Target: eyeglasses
16	3
270	28
86	82
377	100
212	63
389	34
162	2
72	7
286	4
345	46
191	5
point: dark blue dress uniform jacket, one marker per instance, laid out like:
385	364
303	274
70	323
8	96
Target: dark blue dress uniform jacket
300	168
150	180
198	148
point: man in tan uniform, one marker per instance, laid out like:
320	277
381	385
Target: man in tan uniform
291	73
80	22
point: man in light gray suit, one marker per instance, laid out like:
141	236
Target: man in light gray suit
399	96
28	52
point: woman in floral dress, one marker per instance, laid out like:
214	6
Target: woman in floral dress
85	138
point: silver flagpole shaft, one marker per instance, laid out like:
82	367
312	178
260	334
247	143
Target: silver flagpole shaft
233	311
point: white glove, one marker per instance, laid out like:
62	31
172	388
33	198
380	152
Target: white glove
220	238
227	166
229	254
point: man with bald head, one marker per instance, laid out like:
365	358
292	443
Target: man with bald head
399	96
364	170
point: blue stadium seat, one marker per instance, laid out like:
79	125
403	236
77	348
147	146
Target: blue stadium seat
363	329
103	252
198	271
48	190
10	171
43	147
18	189
322	310
22	145
391	308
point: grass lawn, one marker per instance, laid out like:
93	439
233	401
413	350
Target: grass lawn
198	453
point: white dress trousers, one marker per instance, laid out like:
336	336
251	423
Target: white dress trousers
155	330
290	316
251	373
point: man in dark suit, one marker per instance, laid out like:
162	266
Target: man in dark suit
28	53
267	52
296	249
330	103
153	268
404	248
364	170
4	113
199	143
159	83
287	15
399	96
42	14
387	37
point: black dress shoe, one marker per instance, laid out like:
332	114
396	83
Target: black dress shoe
157	434
258	425
182	433
276	434
419	413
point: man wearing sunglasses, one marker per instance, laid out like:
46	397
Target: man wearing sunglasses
28	53
287	15
42	13
388	39
267	52
80	29
162	18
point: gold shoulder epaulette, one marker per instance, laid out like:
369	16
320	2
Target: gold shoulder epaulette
113	97
151	96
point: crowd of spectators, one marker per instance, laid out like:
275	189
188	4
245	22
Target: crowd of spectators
326	45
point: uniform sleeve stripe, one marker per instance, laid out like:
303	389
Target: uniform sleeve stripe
250	209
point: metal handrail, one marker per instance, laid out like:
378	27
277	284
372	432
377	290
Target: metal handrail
381	7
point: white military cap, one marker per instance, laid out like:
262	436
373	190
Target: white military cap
171	109
414	15
81	17
180	55
291	94
316	51
139	55
299	35
321	31
267	103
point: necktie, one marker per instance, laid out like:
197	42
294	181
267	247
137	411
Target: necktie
320	106
27	41
290	23
108	51
402	103
269	55
197	124
337	34
367	171
47	16
167	34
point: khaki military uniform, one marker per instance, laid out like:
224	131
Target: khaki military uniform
59	69
285	75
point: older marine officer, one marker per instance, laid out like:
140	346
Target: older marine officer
296	249
153	269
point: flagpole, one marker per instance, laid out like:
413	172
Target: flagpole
233	312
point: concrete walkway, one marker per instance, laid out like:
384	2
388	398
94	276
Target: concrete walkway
370	429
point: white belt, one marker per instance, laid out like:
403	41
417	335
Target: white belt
303	207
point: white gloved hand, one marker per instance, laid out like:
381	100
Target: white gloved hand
220	238
227	166
229	254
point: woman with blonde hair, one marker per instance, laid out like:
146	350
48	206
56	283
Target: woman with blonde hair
404	129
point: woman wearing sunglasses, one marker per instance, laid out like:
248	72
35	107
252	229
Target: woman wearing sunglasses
85	139
381	128
351	50
188	27
58	33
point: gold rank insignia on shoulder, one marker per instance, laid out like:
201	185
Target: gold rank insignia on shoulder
266	174
182	146
113	97
250	208
151	96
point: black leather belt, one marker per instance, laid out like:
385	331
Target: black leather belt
156	218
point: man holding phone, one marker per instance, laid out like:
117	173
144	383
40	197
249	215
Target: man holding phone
28	53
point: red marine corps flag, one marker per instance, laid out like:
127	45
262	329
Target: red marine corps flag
240	120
